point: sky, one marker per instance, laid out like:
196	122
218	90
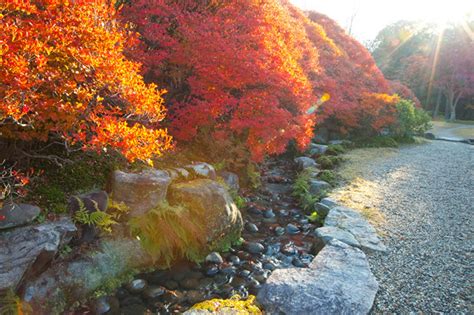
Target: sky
370	16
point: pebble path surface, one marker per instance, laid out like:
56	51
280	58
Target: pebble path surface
428	202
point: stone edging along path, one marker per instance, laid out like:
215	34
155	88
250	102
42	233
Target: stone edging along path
339	280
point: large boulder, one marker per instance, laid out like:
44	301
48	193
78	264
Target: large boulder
338	281
25	252
142	191
354	223
13	215
212	204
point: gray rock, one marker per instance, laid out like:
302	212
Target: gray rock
317	187
251	227
254	247
292	229
328	233
172	173
338	281
322	209
101	306
430	136
211	203
141	192
331	203
214	258
304	162
317	149
136	285
182	173
231	180
68	281
26	251
203	170
15	215
154	292
354	223
279	231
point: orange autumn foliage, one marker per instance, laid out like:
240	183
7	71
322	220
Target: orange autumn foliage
63	74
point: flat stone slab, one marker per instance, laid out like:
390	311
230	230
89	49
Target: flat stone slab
338	281
14	215
354	223
328	233
26	250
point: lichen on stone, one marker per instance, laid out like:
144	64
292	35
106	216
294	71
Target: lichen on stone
234	305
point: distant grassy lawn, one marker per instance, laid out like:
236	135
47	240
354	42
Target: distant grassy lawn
459	128
441	120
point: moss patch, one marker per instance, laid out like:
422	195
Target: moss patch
233	305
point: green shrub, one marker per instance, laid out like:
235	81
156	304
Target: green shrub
102	220
377	142
411	120
84	173
335	149
301	190
173	232
328	176
325	162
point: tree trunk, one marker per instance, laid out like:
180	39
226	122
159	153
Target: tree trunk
438	103
452	116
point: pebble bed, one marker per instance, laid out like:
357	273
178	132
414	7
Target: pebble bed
277	234
428	202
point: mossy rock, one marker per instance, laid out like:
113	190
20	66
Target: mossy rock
235	305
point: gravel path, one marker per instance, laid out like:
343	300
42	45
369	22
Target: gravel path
428	202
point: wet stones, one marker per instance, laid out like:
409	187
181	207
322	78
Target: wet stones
292	229
214	258
251	227
254	247
136	286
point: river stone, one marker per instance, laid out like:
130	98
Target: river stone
142	191
26	251
328	233
202	169
317	187
214	258
211	203
329	202
231	180
304	162
354	223
338	281
254	247
13	215
317	149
